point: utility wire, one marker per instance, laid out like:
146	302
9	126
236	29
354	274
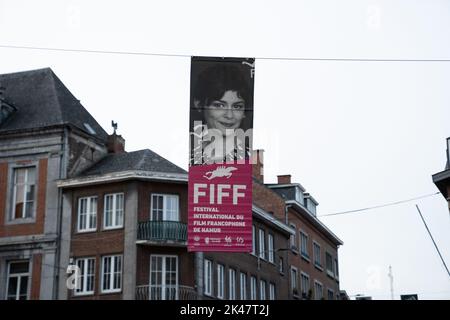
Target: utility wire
380	206
435	245
143	53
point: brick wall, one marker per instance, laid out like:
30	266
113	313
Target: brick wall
100	242
23	229
308	266
147	188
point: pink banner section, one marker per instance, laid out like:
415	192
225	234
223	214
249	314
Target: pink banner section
220	208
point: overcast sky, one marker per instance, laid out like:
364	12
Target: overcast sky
354	134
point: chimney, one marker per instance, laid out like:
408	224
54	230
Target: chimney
284	179
116	144
258	165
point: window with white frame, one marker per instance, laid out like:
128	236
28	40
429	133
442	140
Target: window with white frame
165	207
270	247
24	193
330	294
113	211
87	214
262	242
164	277
111	274
318	290
304	244
294	286
243	286
18	280
220	281
253	239
232	284
304	282
262	289
86	279
253	288
317	256
272	291
293	238
208	277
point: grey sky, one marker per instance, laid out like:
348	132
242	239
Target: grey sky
355	134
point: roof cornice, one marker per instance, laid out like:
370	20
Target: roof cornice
271	219
122	176
315	221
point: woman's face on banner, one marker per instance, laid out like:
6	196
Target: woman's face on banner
225	113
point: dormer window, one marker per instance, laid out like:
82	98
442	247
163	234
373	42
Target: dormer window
89	128
299	195
5	111
310	204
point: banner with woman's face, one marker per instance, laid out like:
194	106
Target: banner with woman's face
221	136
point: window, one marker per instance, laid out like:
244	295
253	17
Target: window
299	195
253	288
272	291
317	259
220	281
336	269
318	290
253	240
329	264
111	274
113	214
232	284
164	207
164	277
17	281
87	214
270	245
24	193
85	280
208	277
281	266
262	249
294	287
304	282
330	294
293	238
311	206
304	244
243	284
262	289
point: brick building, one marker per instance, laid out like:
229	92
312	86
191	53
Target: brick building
442	179
72	198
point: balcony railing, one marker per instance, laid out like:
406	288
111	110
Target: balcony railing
162	231
168	292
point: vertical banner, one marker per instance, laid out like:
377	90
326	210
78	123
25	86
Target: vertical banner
220	169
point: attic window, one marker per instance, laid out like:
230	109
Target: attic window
89	128
5	111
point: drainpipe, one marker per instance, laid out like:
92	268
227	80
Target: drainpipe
62	175
198	267
288	267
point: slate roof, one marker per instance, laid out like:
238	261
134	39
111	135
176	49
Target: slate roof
142	160
42	100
